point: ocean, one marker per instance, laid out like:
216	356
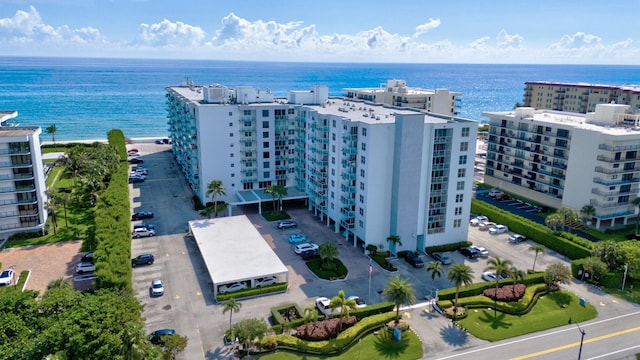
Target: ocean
86	97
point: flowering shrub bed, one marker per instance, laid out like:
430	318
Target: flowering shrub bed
323	330
506	293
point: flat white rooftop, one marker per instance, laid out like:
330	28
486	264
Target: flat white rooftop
233	250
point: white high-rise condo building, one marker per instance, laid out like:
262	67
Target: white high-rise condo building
367	170
397	93
578	97
564	159
22	186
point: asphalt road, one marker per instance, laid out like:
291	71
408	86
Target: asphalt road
188	305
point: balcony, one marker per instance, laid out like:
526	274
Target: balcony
9	164
616	181
609	147
5	190
608	171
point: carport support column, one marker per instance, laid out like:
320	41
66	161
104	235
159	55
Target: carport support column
260	207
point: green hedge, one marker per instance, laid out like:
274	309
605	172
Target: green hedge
533	230
447	247
275	312
333	346
520	307
279	287
478	288
360	314
340	272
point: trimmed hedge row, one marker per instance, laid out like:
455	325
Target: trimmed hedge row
447	247
360	314
520	307
275	312
112	247
477	288
253	292
333	346
610	279
531	229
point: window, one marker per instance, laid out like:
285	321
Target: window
233	175
265	155
265	134
361	223
230	114
361	211
364	147
362	199
230	134
231	155
361	186
265	124
458	211
265	113
333	172
362	172
333	160
265	144
465	132
333	148
364	132
265	164
464	146
461	173
362	160
459	198
266	175
457	223
248	134
460	185
333	183
230	124
333	123
462	160
333	195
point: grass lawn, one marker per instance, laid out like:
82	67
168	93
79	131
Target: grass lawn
547	313
380	346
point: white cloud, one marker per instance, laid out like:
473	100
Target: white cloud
27	27
426	27
506	40
235	37
170	34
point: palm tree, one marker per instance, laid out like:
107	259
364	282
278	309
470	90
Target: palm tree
341	302
207	212
64	199
231	306
436	270
310	315
215	188
500	267
517	275
539	249
281	192
553	221
636	203
459	274
588	211
400	292
52	130
393	241
271	190
328	252
52	206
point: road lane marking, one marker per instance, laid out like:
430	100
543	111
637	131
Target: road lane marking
563	347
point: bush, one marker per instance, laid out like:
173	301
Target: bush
478	288
324	330
381	259
507	293
337	270
275	215
277	311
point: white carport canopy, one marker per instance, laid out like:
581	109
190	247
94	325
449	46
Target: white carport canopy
233	250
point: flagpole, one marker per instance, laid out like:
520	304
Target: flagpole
370	271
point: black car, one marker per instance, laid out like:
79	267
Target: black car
413	259
142	215
156	336
88	257
309	254
136	161
143	259
469	252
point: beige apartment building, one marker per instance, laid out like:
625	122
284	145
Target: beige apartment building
579	97
397	93
566	159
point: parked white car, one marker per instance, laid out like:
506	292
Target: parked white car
477	220
268	280
304	247
157	287
85	267
6	277
231	287
323	306
143	232
498	229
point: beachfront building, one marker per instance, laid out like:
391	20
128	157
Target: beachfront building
397	93
578	97
564	159
22	186
366	170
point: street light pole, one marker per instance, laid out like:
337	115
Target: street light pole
582	333
624	278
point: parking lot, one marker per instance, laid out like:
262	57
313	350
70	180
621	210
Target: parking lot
188	305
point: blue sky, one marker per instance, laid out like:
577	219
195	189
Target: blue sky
415	31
